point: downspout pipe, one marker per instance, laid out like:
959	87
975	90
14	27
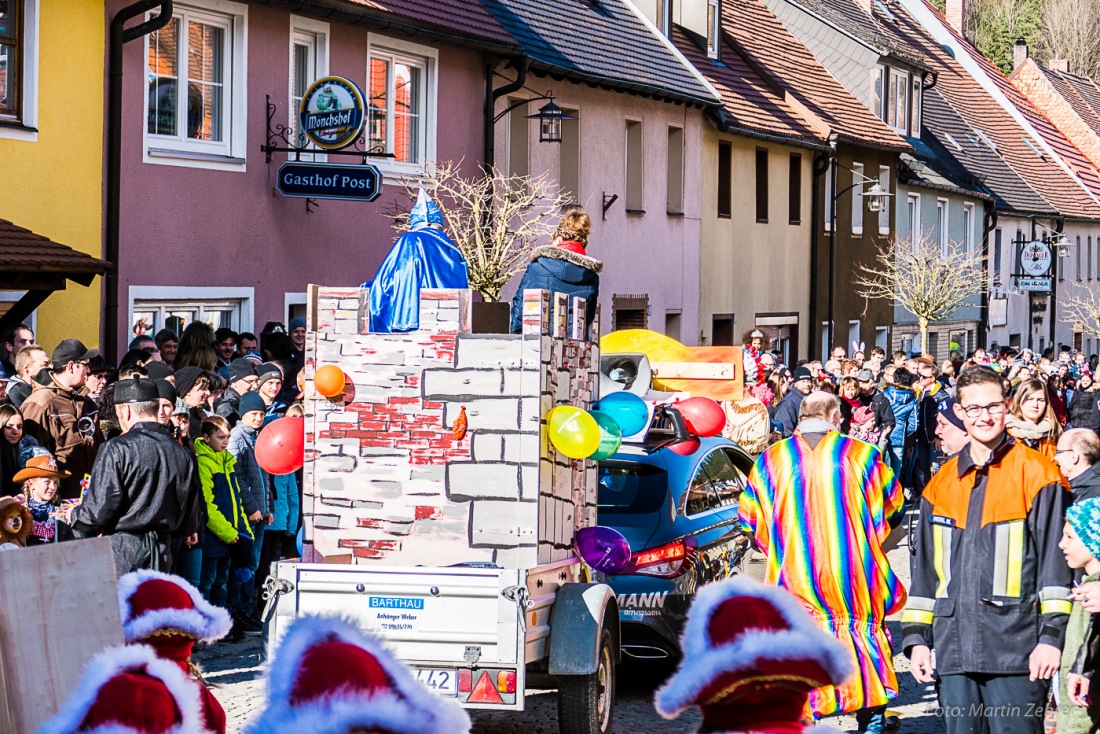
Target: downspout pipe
119	36
491	96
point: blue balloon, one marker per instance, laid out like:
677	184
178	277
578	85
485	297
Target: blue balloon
301	537
627	409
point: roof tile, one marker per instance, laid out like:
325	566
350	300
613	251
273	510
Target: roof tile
463	17
23	250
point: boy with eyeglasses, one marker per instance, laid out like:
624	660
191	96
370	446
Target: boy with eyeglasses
990	590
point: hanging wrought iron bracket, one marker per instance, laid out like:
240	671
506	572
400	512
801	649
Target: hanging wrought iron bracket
278	133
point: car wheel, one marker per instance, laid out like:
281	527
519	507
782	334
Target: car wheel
586	703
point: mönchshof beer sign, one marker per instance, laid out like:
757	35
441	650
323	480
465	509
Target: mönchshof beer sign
332	113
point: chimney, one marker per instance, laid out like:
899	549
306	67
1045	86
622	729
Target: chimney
1061	65
956	12
1019	55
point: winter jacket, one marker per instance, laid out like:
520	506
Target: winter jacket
561	271
1086	485
228	405
287	503
786	413
928	405
18	391
988	578
903	403
142	482
51	415
225	515
256	495
1080	644
1084	410
884	416
11	461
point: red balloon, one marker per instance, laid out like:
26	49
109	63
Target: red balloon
704	417
281	446
686	447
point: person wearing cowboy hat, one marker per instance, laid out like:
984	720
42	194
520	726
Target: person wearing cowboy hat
170	616
129	690
329	677
40	481
752	655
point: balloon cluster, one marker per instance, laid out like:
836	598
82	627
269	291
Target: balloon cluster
597	434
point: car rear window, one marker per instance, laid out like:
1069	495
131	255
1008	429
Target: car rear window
627	489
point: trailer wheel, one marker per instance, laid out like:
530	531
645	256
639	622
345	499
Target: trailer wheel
586	703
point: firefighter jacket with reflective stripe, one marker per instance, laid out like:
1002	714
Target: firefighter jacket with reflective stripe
989	582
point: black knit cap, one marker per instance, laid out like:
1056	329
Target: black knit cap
186	377
158	370
166	390
241	368
136	390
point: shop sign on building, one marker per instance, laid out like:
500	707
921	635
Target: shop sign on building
332	113
1035	285
1036	259
329	181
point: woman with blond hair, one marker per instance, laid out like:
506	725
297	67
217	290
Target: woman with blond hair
563	267
1031	419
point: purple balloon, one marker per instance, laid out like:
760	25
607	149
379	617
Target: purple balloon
604	549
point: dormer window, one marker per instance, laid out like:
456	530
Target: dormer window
890	98
916	100
714	25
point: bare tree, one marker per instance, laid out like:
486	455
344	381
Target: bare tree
1070	32
926	279
1083	313
494	219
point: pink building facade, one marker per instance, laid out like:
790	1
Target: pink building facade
203	232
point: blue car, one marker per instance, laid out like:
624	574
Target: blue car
679	514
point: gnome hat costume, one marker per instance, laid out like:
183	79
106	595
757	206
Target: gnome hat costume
752	654
129	690
328	677
170	615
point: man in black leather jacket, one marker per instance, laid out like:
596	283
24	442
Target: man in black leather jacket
144	486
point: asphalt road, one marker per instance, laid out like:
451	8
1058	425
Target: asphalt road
236	672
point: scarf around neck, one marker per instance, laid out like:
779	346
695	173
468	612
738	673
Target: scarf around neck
1026	430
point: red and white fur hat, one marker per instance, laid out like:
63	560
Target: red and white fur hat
752	654
129	690
152	602
329	677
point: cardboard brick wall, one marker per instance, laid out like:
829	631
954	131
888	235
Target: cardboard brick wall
385	480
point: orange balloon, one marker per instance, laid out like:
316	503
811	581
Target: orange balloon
329	380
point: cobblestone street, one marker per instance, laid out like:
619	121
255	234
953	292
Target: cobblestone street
236	671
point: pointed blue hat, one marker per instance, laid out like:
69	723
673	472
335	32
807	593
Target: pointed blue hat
425	212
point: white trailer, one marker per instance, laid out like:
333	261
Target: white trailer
457	550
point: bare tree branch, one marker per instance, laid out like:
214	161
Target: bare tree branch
1070	32
927	280
1083	313
494	219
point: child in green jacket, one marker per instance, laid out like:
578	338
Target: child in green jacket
228	534
1081	546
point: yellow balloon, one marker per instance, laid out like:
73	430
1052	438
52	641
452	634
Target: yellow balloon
573	431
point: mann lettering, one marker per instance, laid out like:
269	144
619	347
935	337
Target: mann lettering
655	600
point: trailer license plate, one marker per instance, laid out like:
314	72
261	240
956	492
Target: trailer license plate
443	682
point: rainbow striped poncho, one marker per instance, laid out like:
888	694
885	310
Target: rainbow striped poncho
820	515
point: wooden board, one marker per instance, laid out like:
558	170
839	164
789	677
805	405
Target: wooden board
672	362
58	608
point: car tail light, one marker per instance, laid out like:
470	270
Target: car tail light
506	681
465	680
484	691
665	561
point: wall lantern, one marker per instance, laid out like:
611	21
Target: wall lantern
876	197
550	117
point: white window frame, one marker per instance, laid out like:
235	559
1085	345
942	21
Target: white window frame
884	213
828	218
26	127
853	328
882	338
943	213
230	153
916	101
878	77
916	227
177	295
899	125
714	26
299	298
393	48
14	297
315	34
858	182
968	227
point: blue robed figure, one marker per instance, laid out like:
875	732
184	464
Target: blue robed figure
423	257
